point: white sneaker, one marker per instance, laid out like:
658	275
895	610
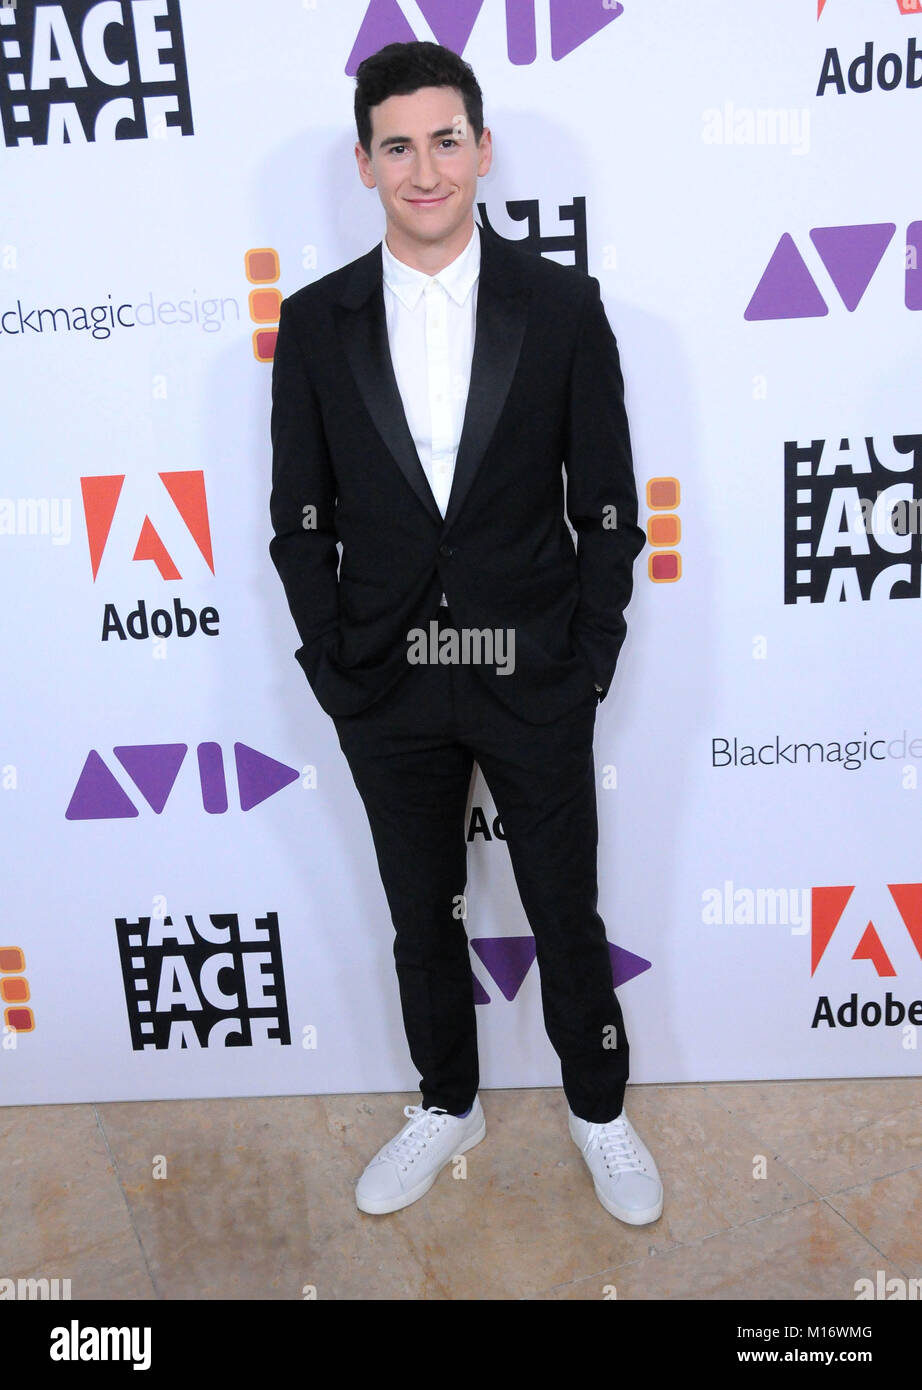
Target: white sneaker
406	1167
626	1179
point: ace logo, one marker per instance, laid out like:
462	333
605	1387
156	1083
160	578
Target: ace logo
92	70
853	519
213	980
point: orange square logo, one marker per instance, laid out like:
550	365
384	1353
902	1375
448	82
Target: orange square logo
665	567
664	530
663	494
262	265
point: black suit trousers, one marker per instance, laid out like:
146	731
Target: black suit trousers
411	755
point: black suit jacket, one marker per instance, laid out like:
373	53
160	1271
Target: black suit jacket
546	389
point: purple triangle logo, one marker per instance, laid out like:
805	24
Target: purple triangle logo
851	255
575	21
480	994
259	776
153	768
625	965
451	22
787	290
507	958
97	795
384	23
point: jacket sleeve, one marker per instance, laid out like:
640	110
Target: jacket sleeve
601	491
303	497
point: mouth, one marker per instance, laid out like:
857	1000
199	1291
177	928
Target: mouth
427	202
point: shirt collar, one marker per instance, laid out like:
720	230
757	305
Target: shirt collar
456	278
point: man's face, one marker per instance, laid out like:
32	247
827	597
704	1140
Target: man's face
424	163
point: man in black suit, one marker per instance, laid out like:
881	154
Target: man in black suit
424	400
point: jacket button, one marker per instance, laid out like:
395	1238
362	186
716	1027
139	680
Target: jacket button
447	551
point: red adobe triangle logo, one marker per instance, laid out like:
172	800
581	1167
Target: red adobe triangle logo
827	906
187	490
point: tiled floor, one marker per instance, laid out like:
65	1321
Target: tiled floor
779	1190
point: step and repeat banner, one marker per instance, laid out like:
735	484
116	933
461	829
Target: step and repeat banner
190	899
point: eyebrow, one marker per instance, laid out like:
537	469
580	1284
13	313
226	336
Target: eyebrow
408	139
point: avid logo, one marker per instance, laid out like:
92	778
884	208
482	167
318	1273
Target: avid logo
92	70
186	491
508	959
572	23
850	256
214	981
153	769
851	520
889	943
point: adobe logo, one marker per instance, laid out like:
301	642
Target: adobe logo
904	7
187	492
827	907
572	22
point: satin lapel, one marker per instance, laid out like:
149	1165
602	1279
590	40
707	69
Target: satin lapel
502	307
363	332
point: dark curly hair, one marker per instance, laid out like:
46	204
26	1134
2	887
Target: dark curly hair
401	68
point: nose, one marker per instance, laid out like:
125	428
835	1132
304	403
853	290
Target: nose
424	176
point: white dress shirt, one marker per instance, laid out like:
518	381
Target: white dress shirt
430	327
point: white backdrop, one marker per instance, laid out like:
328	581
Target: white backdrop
696	140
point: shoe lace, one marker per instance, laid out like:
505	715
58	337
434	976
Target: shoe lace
617	1147
412	1139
